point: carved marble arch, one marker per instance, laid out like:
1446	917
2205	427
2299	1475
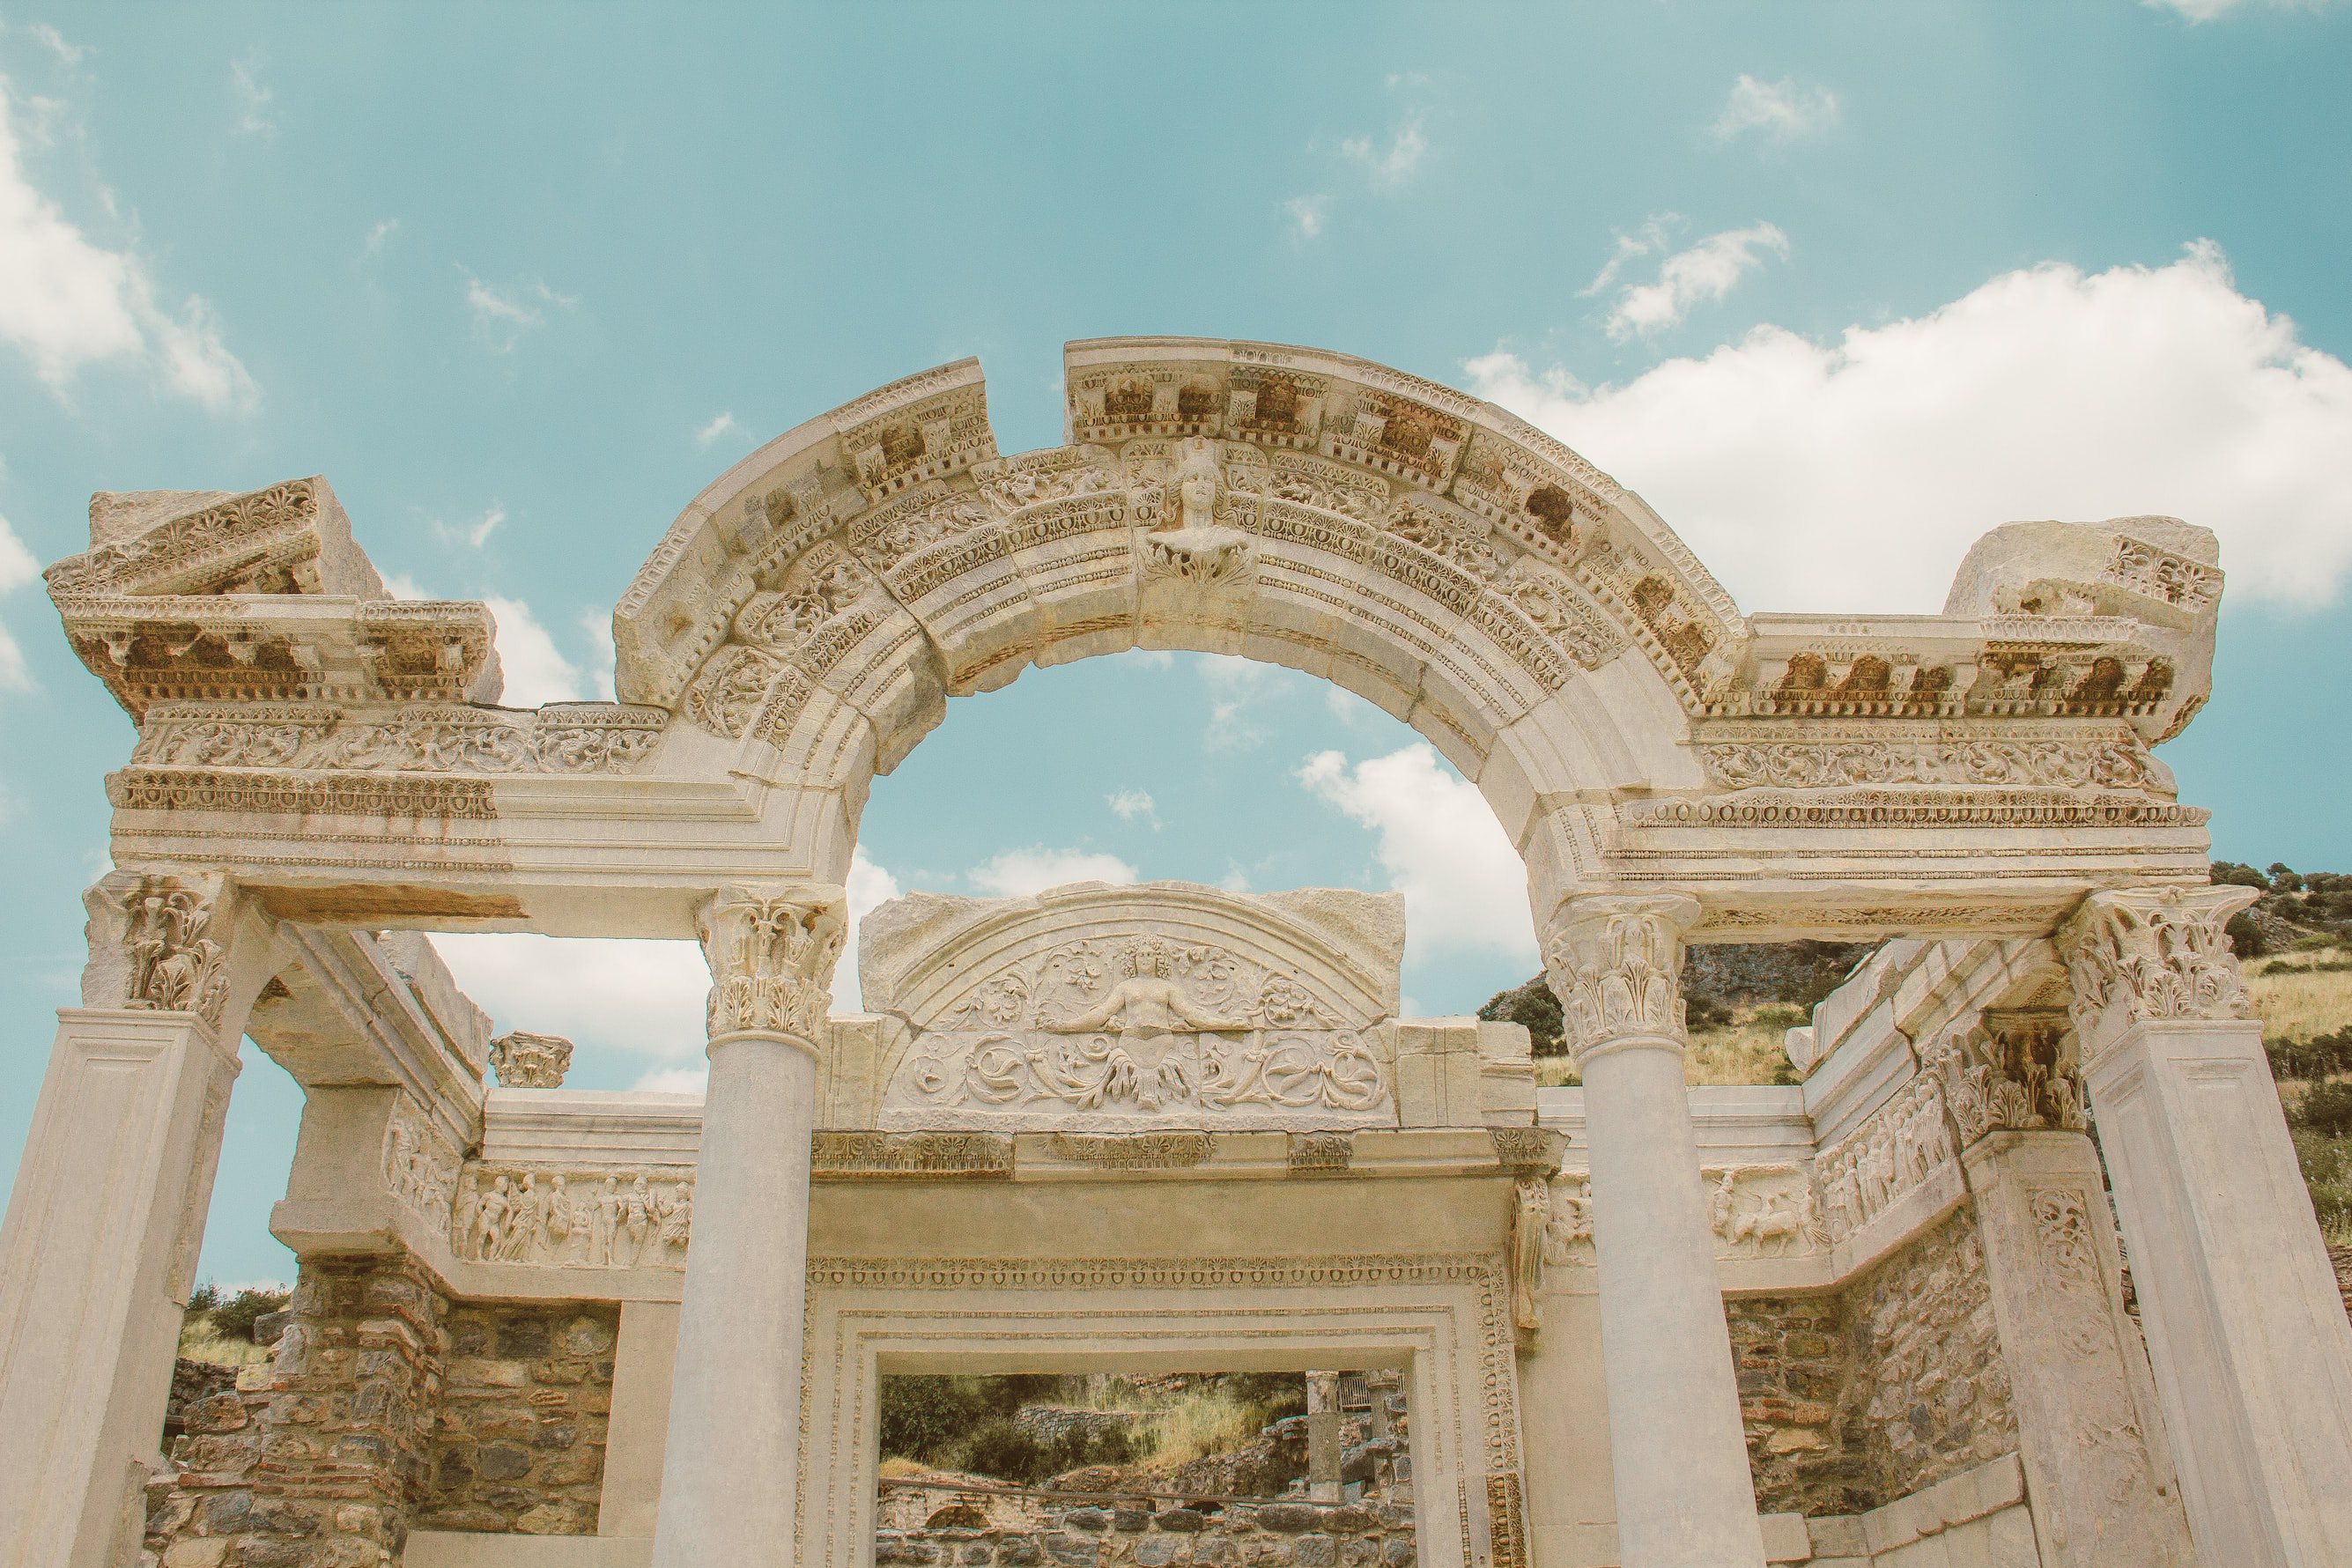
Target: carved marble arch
804	622
1533	619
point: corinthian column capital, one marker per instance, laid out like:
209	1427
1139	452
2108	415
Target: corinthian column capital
2153	953
772	950
1615	962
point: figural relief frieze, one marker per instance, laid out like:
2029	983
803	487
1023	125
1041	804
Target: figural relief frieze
1764	1211
420	1167
1141	1028
567	1218
1895	1149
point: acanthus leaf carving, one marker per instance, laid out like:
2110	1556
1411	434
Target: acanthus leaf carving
176	965
2154	955
772	953
2107	763
2010	1069
531	1061
1615	964
584	738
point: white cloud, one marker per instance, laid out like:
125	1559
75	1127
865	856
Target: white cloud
378	236
500	318
401	585
474	534
1704	274
536	671
1853	477
1130	803
644	998
720	426
1238	686
695	1080
1781	109
1463	882
2213	10
1405	150
596	625
71	54
1305	214
253	95
65	302
18	568
1019	872
869	886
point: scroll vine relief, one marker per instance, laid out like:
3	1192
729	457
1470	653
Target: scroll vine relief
1141	1029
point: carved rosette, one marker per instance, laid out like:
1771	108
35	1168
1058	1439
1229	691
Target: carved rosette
1615	963
771	952
531	1061
2154	955
2011	1069
175	965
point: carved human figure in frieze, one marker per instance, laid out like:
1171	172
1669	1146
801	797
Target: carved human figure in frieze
603	1222
1530	1217
1567	1230
1195	545
637	1224
466	1216
1764	1211
1152	1025
521	1236
490	1223
557	1221
677	1223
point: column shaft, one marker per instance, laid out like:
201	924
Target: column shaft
1685	1498
2247	1335
105	1219
730	1469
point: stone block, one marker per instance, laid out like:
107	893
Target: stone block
1094	1520
1019	1551
1314	1552
1184	1520
1291	1519
1071	1551
1133	1520
1159	1551
1785	1538
209	1553
481	1373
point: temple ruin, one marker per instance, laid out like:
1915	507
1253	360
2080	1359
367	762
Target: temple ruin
1879	1316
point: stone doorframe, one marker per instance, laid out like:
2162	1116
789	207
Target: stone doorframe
1443	1320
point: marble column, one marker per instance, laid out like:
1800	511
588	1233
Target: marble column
1323	1419
1685	1495
2090	1434
2246	1333
730	1468
105	1222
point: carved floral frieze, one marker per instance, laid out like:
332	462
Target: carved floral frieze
2112	762
236	534
1141	1026
585	738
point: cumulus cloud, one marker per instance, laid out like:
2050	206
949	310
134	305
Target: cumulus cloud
536	670
1019	872
1132	804
869	886
1781	111
723	426
1306	214
501	317
71	54
1463	882
1395	163
1854	477
1703	275
65	302
17	569
638	997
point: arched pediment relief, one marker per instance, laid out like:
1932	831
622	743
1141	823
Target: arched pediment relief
1167	1004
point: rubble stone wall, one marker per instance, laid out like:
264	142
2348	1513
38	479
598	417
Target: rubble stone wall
1269	1535
1855	1399
519	1444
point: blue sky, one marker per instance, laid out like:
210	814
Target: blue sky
1836	287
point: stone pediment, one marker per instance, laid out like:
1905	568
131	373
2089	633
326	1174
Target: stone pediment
1166	1005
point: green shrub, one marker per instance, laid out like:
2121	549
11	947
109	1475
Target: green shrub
2325	1108
997	1448
1532	1004
232	1318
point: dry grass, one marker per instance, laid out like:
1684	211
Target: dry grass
1209	1422
1745	1050
898	1466
2297	1006
200	1341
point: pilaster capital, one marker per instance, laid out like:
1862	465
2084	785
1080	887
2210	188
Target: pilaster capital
162	943
772	948
1615	962
2153	953
2009	1069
